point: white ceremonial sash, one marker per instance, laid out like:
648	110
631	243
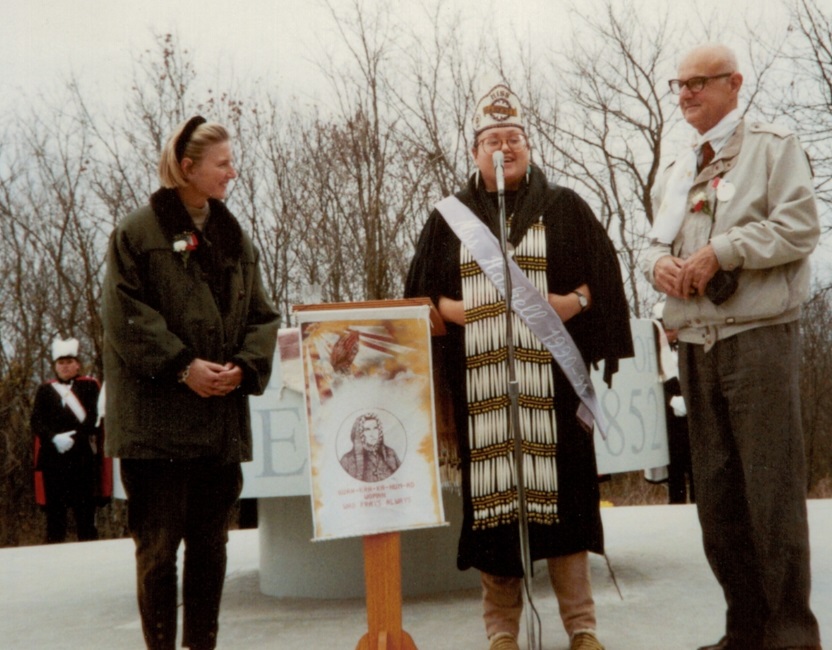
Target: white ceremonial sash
527	302
70	399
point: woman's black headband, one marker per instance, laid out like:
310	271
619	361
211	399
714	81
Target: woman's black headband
185	137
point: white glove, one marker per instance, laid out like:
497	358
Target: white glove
64	441
677	403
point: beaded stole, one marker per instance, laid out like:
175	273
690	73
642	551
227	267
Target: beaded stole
493	488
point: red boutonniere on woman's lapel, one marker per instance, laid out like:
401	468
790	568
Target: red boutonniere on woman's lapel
184	243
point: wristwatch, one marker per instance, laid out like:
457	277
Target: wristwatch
582	301
182	375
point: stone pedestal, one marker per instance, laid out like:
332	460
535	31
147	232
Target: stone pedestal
292	566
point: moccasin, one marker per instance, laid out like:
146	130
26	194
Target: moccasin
503	641
585	641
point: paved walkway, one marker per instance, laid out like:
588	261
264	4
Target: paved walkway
81	596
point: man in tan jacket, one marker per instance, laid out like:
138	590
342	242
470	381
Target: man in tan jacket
735	223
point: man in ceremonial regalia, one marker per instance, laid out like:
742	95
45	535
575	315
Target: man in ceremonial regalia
569	263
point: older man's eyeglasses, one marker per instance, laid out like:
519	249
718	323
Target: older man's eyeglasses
492	143
694	84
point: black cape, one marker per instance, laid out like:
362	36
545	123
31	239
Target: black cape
80	466
578	251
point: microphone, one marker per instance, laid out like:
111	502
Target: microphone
497	159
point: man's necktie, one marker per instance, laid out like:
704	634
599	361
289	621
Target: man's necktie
707	156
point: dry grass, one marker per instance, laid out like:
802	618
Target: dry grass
631	489
822	489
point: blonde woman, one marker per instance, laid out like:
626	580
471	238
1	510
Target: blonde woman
189	333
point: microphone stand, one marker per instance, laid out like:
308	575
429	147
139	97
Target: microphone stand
532	619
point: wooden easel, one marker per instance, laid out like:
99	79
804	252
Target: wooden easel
383	581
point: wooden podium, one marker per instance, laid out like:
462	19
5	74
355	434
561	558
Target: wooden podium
382	552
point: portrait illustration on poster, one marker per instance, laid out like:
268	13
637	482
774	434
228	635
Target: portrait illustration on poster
370	458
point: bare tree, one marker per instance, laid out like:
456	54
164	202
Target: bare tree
434	99
604	131
807	99
816	386
355	156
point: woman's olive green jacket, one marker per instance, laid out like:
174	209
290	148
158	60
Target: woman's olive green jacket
164	305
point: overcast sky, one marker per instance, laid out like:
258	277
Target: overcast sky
44	42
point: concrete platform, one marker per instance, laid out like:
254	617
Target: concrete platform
82	596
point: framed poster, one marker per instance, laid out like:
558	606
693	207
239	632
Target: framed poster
371	418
